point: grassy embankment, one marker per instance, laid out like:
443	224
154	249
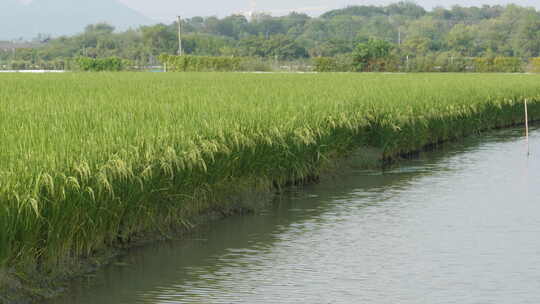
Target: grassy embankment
89	160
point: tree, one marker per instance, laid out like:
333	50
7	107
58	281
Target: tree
416	46
406	8
280	46
372	55
267	26
427	37
159	39
294	20
359	10
99	28
526	41
461	39
284	48
233	26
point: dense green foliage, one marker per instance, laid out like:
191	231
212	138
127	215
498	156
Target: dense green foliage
200	63
534	65
326	64
363	61
111	64
373	56
88	160
342	63
437	40
498	64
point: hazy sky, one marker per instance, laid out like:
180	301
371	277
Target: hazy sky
166	9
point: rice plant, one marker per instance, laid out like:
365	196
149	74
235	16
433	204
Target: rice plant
89	160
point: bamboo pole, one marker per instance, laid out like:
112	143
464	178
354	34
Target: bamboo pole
527	129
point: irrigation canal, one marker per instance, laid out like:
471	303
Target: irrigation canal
459	225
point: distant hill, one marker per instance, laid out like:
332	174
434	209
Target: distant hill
63	17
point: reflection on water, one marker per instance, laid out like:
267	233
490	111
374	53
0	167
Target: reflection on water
455	226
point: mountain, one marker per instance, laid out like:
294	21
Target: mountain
63	17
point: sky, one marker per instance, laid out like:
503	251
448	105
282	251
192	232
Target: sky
166	10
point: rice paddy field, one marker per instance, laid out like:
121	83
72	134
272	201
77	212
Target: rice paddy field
88	161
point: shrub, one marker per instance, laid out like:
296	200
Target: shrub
20	65
188	63
255	64
534	65
88	64
498	64
340	63
325	64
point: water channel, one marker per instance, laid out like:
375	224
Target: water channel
458	225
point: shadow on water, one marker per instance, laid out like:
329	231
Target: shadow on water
174	271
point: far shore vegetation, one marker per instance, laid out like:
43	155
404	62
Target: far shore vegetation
400	37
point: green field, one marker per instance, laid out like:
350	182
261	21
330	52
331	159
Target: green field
89	160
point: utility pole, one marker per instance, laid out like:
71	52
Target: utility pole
399	36
179	36
408	63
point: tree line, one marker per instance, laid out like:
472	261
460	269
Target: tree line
409	37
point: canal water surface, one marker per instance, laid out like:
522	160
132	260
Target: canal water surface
459	225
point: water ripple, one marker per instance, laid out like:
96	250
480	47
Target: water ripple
455	226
